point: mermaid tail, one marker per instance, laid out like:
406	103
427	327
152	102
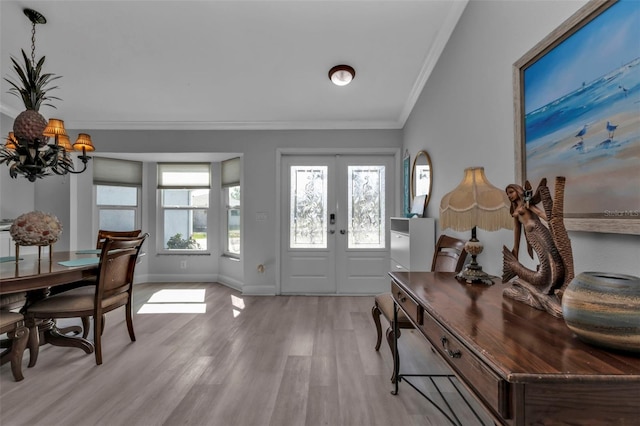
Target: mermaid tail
508	259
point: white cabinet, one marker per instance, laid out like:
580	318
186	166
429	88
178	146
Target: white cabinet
8	246
412	243
5	243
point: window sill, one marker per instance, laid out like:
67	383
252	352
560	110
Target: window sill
183	253
229	257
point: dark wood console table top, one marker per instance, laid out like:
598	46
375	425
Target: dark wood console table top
523	365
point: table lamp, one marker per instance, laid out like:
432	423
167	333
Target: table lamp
475	203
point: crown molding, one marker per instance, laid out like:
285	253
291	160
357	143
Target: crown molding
234	125
448	25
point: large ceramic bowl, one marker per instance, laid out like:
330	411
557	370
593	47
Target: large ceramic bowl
603	309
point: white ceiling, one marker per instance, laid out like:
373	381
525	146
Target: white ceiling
230	64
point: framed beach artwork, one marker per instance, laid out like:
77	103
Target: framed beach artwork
577	114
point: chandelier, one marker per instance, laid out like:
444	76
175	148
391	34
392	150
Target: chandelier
27	150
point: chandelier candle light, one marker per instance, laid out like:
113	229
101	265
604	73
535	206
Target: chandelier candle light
27	150
475	203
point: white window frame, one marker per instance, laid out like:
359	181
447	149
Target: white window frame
227	208
136	209
117	173
231	171
163	185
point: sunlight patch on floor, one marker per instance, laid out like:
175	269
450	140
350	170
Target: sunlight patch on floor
187	295
176	301
238	305
173	308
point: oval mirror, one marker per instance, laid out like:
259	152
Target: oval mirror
421	174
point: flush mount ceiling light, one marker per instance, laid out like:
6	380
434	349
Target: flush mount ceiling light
341	75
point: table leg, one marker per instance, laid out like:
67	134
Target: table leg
395	349
53	335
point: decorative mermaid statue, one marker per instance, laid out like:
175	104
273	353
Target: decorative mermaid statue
543	287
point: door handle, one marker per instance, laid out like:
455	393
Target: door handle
342	231
332	231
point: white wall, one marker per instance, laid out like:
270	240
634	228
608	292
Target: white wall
464	118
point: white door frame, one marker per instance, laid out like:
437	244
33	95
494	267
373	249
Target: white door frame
280	152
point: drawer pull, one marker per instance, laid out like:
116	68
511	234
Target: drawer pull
452	354
401	298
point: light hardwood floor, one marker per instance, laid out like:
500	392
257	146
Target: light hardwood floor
286	360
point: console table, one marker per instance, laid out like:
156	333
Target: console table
523	365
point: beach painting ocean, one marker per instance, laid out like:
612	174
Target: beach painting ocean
582	116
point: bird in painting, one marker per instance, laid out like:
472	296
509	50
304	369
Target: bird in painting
624	90
582	132
611	129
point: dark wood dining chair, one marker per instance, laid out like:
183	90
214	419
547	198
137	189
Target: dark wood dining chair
449	256
103	233
86	322
113	289
12	323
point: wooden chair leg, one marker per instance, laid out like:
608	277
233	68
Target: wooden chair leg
86	324
129	316
396	357
33	342
98	328
375	313
19	338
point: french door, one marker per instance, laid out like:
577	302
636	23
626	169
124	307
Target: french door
335	214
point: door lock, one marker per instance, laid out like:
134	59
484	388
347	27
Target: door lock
332	219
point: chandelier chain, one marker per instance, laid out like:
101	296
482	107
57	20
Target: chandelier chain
33	44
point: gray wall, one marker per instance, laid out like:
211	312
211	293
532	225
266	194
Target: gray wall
258	149
464	118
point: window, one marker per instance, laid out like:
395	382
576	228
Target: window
184	204
232	197
117	185
231	193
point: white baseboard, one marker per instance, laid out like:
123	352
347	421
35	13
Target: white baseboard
259	290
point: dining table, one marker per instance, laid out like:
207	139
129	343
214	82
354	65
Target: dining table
37	275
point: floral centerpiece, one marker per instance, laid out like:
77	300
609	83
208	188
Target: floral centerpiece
36	229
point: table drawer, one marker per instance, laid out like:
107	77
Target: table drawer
486	384
411	308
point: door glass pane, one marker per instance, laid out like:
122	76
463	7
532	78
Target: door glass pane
366	207
308	207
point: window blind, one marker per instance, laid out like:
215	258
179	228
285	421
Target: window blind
184	176
231	172
112	171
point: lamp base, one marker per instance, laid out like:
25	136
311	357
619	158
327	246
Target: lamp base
473	274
